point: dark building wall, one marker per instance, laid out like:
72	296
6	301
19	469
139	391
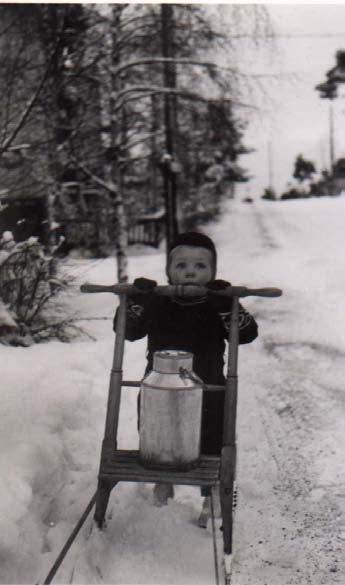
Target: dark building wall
24	218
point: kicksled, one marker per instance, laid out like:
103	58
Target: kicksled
213	472
209	471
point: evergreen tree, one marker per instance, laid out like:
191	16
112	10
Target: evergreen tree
303	169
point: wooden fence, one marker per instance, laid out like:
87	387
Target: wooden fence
148	230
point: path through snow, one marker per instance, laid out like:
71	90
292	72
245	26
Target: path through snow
289	524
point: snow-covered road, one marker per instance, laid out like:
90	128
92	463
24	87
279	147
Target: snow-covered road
290	515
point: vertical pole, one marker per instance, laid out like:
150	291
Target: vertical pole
331	143
114	394
331	135
113	409
270	166
228	456
229	436
169	76
49	203
152	197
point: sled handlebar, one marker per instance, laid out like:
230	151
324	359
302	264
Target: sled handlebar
183	290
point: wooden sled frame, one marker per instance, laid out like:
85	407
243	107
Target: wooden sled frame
120	465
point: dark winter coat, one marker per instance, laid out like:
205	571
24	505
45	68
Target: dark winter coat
196	326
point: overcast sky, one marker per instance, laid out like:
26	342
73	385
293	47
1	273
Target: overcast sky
294	119
290	117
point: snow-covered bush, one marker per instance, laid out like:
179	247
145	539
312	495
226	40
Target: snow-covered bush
27	283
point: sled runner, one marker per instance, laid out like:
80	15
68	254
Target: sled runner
125	465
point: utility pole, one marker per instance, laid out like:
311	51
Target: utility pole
270	165
331	135
170	118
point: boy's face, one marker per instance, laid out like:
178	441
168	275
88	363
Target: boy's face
190	265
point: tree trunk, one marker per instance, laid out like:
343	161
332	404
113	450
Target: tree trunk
152	198
170	119
110	125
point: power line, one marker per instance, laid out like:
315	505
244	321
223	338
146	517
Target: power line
290	36
309	35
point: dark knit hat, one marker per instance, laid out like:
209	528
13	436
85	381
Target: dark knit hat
198	240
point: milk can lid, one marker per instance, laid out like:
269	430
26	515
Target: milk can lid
170	361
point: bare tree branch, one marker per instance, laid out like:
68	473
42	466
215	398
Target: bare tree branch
110	187
154	90
176	61
30	105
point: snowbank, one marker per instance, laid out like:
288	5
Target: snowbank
290	431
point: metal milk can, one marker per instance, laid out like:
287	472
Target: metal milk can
170	412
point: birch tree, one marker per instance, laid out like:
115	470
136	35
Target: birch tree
37	42
110	135
101	112
168	48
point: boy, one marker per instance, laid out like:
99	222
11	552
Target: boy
199	325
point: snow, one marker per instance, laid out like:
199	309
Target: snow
6	320
289	521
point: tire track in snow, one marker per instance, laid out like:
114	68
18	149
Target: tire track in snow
302	412
287	530
289	525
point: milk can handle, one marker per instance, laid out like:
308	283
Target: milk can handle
184	373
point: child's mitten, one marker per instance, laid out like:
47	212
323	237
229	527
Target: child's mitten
219	303
137	306
248	329
138	302
144	284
